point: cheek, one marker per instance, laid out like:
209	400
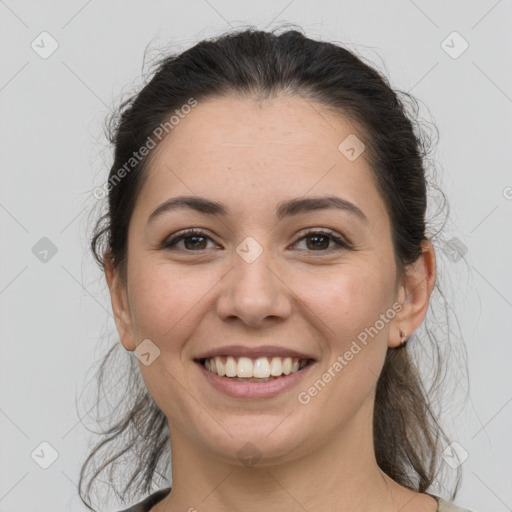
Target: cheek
349	299
349	307
165	300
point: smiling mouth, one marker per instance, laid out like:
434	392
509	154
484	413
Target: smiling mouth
260	369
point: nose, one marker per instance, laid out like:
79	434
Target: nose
254	292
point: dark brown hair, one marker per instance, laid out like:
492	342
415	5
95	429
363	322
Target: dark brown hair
250	63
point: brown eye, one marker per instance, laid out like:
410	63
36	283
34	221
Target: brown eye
320	241
194	240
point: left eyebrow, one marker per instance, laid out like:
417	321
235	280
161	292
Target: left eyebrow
285	208
308	204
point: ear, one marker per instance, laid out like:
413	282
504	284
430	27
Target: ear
414	294
120	306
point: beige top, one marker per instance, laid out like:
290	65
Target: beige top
153	499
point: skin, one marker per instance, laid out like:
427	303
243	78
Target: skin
250	155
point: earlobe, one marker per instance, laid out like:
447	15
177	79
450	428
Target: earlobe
119	301
414	295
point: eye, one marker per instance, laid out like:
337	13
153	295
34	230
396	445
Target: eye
321	239
195	236
196	240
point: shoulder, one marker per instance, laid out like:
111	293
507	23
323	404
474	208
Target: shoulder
448	506
152	499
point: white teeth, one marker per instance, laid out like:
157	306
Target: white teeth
244	367
261	368
247	368
276	367
231	367
287	366
221	369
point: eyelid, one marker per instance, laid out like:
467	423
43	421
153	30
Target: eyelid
324	231
340	240
173	239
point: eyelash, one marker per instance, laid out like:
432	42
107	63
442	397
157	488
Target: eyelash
341	244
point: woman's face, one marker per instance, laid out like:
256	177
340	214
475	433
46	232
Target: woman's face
253	279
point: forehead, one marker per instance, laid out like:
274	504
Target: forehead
286	127
257	152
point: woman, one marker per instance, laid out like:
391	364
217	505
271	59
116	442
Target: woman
266	253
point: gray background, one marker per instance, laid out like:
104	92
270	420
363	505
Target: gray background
54	307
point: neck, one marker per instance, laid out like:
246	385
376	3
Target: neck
340	474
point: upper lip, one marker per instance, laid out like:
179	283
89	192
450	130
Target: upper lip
253	352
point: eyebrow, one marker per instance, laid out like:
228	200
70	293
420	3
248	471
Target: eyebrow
284	209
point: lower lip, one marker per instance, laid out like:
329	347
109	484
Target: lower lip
237	389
